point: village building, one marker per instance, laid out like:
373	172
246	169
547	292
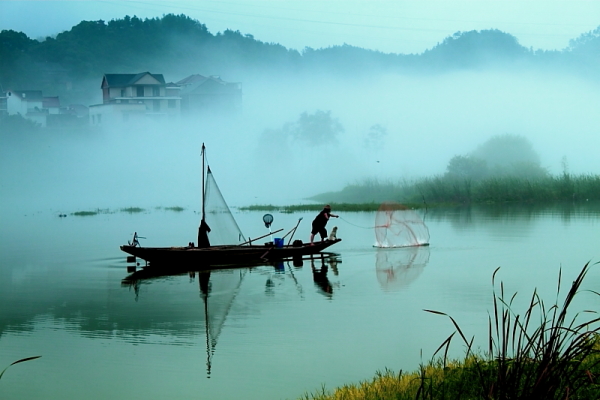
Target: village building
44	111
136	97
210	96
28	104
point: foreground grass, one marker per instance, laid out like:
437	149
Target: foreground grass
559	358
18	362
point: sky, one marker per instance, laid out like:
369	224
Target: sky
389	26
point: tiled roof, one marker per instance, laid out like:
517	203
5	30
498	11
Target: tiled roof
119	80
28	94
48	102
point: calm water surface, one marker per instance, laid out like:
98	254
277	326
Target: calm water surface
269	332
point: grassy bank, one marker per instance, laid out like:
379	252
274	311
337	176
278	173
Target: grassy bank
336	207
446	189
559	358
128	210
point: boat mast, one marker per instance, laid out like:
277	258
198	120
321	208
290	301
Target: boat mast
203	229
203	187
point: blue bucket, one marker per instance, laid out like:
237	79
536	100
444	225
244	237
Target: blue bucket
278	242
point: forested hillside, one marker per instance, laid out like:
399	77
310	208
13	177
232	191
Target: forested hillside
72	63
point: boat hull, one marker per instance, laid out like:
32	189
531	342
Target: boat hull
223	255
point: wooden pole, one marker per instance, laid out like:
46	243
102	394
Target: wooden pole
250	240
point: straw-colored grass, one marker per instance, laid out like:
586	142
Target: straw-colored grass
556	357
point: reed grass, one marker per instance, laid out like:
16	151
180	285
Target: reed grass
132	210
175	209
543	353
448	189
17	362
339	207
129	210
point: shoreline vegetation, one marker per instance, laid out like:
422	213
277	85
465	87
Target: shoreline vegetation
451	191
435	192
558	359
129	210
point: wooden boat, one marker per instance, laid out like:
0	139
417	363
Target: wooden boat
223	255
231	247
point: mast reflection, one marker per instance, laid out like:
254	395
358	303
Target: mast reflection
219	287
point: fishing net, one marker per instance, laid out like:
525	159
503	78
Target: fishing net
398	226
223	226
397	269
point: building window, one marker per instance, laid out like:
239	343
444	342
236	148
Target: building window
122	92
140	91
155	91
172	103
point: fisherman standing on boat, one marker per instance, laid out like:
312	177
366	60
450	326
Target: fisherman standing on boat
203	234
318	225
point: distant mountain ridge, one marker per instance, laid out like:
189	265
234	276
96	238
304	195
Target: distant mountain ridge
175	45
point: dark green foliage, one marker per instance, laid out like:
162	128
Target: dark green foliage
17	124
336	207
372	191
503	151
132	210
503	169
72	63
584	53
84	213
376	136
449	189
316	129
467	167
500	156
476	48
175	209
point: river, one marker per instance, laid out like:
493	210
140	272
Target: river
267	332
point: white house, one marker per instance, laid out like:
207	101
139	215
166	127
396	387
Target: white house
142	96
28	103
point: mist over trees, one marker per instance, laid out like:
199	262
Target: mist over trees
70	64
356	113
501	155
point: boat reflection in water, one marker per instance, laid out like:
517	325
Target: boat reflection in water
397	268
219	287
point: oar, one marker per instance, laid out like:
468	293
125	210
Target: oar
270	233
293	231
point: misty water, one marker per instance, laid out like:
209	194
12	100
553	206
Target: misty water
270	331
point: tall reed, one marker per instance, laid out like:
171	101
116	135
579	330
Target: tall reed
555	359
493	189
17	362
542	354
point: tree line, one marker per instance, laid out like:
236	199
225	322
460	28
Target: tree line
177	45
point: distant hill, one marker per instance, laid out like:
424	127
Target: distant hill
72	63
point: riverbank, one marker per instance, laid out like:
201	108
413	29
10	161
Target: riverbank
452	190
560	358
